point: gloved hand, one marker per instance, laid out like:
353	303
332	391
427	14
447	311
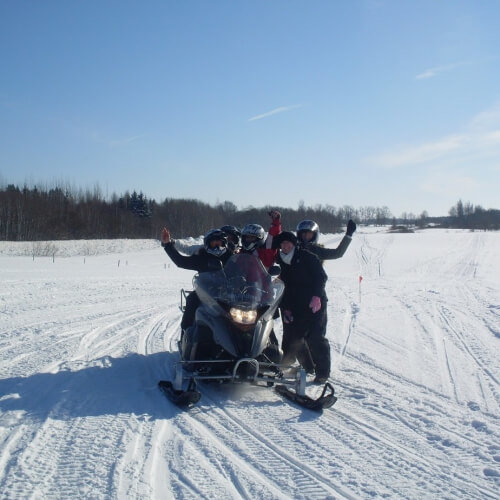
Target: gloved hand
315	304
165	236
275	215
351	227
287	316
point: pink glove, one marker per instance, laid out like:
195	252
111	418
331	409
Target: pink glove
287	316
315	304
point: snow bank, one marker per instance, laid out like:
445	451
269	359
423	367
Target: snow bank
74	248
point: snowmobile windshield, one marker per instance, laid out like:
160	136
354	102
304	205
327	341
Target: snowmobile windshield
243	282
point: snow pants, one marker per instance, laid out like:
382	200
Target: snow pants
192	303
305	338
294	347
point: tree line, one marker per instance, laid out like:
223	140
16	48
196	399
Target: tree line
58	213
467	216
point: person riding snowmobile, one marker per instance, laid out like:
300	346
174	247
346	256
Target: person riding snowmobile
254	240
233	235
211	257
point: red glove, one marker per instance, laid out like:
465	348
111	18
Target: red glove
165	236
275	228
287	316
315	304
275	215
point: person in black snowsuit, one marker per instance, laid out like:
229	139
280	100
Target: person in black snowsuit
307	238
308	234
211	257
303	306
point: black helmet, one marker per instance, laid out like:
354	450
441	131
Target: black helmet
252	236
233	234
215	235
308	225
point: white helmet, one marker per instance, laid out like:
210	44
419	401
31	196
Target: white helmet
252	236
308	225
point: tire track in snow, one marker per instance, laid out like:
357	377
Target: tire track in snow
38	453
143	470
206	456
440	319
446	317
103	338
137	470
159	332
352	325
291	476
450	373
41	463
371	258
428	454
434	468
426	324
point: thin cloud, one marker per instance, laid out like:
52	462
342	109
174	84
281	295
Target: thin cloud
487	119
126	140
98	137
431	72
423	153
281	109
447	183
481	139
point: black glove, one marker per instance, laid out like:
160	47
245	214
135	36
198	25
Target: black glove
351	227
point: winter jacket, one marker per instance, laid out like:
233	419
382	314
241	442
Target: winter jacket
304	278
328	253
201	261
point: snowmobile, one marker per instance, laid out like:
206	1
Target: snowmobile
232	339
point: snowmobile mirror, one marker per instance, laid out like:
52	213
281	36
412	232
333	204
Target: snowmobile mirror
275	270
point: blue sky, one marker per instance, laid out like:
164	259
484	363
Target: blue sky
359	102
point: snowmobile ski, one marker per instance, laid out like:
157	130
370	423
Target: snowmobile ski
321	403
180	398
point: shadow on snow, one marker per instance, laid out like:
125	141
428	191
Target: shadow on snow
112	386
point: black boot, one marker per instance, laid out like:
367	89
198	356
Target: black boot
321	378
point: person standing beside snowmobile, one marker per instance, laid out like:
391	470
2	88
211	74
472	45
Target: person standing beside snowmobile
308	234
303	306
211	257
254	241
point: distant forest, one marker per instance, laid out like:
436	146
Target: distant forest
56	213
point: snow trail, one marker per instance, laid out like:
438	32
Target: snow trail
414	363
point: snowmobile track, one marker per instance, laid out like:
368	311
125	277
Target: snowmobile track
293	476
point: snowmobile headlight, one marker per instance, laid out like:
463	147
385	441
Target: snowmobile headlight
243	317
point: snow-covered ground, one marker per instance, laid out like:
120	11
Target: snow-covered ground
85	337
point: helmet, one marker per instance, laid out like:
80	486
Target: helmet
252	236
215	235
233	235
308	225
